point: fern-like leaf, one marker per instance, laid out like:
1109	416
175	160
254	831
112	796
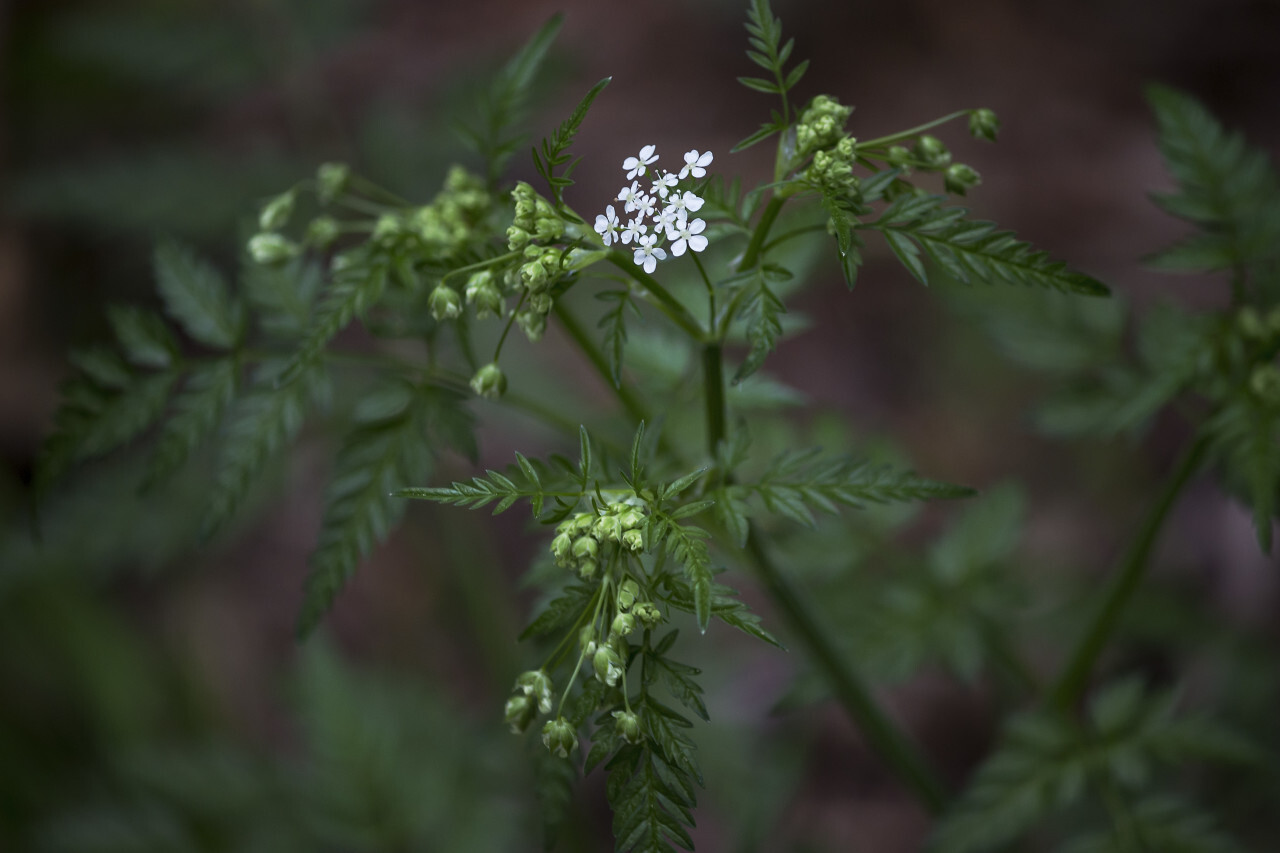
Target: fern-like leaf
143	337
971	251
1246	435
354	290
283	295
389	446
264	421
688	545
1226	187
555	151
725	606
196	296
800	482
763	311
503	106
614	324
198	411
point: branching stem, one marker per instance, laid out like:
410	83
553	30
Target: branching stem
1071	684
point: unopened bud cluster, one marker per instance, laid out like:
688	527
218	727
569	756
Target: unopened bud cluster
580	538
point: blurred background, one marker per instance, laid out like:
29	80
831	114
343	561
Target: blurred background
151	692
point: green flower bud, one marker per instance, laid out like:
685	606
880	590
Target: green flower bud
489	381
633	540
484	294
959	178
387	228
931	153
322	232
623	624
608	665
559	737
983	124
536	684
445	303
517	238
648	614
561	547
272	249
899	156
1265	382
607	527
587	569
520	712
630	517
1251	324
587	639
627	594
275	213
627	726
532	324
331	180
586	548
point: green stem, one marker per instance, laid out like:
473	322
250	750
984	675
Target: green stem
635	409
669	305
914	131
771	211
1074	679
881	732
713	385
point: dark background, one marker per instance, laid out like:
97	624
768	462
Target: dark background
124	121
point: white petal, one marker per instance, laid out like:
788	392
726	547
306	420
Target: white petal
677	248
697	242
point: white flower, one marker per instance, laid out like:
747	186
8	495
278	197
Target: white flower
644	206
685	201
666	218
629	196
695	164
635	165
648	255
607	225
662	184
634	231
689	234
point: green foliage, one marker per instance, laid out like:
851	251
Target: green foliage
970	251
1046	763
197	298
555	151
504	103
762	310
768	51
614	324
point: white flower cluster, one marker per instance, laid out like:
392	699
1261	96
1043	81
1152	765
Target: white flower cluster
664	206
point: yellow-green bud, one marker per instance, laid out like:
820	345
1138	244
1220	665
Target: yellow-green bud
1265	382
445	303
959	178
608	665
1251	324
559	737
931	153
623	624
532	324
536	684
648	614
627	726
633	540
387	227
899	156
322	232
586	548
272	249
331	180
983	124
561	547
627	594
484	294
520	712
489	382
275	213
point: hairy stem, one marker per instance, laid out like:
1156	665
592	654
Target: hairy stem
884	736
1071	684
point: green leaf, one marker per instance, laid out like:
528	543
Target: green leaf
380	454
354	290
561	612
503	106
971	251
1160	822
765	131
760	85
1226	187
283	295
555	151
196	296
650	801
93	421
1246	437
198	410
725	606
263	423
495	486
762	311
143	337
614	324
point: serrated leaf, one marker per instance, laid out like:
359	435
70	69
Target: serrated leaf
198	410
725	606
196	296
378	455
555	149
614	324
763	311
562	611
354	290
971	251
262	423
283	295
143	336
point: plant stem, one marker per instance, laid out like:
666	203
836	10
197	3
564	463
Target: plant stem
761	231
884	736
907	134
713	385
635	409
1071	684
672	307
